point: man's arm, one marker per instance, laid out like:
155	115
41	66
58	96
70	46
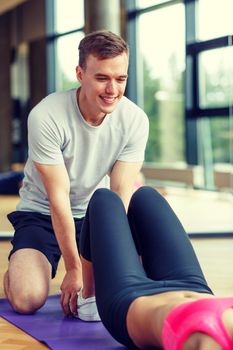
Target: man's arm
57	185
122	179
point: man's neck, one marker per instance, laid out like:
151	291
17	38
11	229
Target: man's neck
92	120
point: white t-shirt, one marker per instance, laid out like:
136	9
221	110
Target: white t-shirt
57	133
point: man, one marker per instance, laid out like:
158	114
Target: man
79	140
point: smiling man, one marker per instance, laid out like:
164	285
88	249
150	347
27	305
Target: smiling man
79	140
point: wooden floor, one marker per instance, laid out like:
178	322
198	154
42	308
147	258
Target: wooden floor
215	256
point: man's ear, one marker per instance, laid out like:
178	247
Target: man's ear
79	73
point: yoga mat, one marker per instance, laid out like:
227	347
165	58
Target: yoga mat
48	325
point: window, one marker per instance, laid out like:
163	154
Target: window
161	49
65	30
216	80
147	3
69	15
181	74
210	72
67	60
214	18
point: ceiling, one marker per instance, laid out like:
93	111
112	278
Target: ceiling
6	5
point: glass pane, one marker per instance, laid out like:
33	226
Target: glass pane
220	134
147	3
216	78
69	15
215	18
215	152
67	60
163	61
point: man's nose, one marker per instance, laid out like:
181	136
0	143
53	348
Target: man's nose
111	88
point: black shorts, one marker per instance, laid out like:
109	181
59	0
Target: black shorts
35	230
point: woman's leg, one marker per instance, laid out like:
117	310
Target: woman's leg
119	274
107	241
117	268
161	239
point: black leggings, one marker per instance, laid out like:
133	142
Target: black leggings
113	241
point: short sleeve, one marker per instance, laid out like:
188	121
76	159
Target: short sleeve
44	138
134	150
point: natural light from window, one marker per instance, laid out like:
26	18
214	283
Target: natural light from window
69	15
215	18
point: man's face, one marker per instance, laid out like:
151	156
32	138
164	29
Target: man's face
103	84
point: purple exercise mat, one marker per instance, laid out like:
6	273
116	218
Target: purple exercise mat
48	325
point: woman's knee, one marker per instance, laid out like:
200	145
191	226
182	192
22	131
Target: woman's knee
104	196
143	195
145	191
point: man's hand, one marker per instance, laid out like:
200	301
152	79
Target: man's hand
71	285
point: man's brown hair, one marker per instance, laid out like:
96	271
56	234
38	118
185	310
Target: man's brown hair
102	44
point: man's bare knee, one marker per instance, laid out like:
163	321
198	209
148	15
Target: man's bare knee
26	283
24	300
27	302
